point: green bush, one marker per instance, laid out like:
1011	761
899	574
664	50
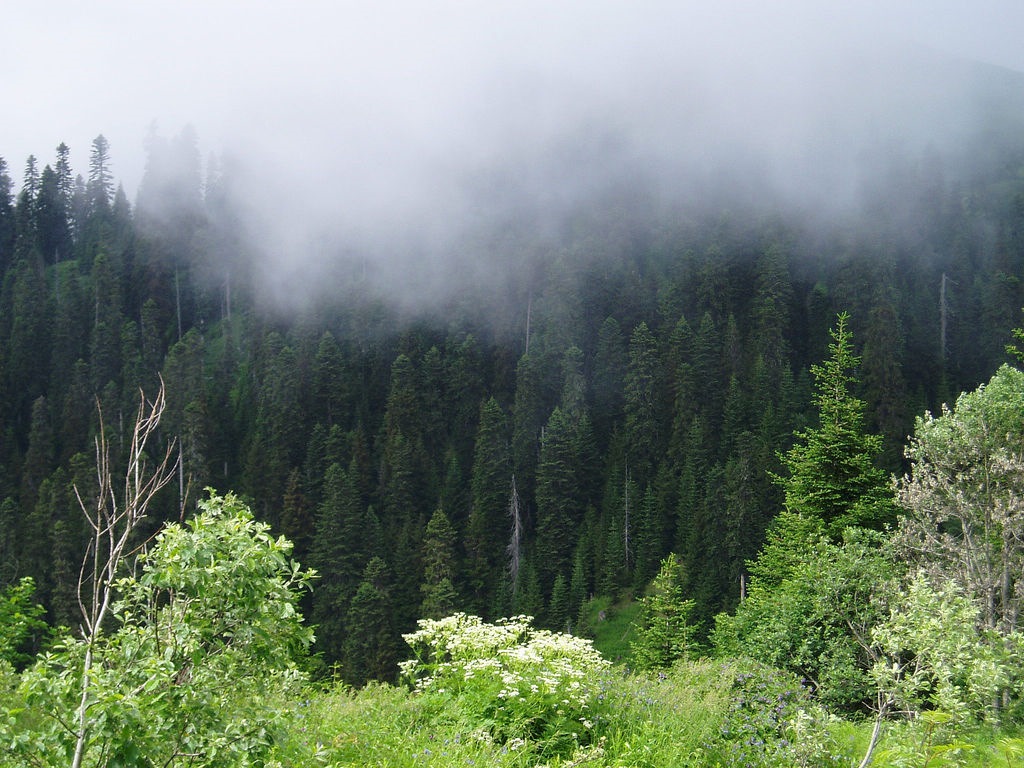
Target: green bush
772	721
199	667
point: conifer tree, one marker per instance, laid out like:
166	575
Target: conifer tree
9	541
566	458
664	632
54	236
830	473
101	178
649	537
558	613
439	569
464	390
641	404
371	642
610	361
338	554
39	456
330	388
528	416
297	520
25	314
488	517
7	225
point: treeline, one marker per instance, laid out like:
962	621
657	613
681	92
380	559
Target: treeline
628	393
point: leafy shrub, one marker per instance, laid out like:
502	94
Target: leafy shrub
772	721
199	666
20	620
516	682
814	621
931	654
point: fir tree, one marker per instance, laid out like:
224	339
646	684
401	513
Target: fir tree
371	642
830	473
664	632
439	569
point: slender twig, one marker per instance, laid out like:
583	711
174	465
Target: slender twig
113	521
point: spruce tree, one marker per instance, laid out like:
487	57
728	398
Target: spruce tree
338	554
439	596
371	644
831	472
488	524
664	632
642	404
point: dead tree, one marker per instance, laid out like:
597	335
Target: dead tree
113	515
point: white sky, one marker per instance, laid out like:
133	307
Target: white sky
363	80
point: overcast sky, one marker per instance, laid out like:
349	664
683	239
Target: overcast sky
348	79
390	128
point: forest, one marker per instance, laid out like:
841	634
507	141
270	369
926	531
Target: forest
701	402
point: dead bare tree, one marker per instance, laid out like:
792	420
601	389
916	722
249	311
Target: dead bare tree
515	544
113	516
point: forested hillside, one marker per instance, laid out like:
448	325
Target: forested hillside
627	389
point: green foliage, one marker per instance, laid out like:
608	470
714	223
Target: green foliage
371	646
664	633
930	654
771	721
519	683
816	622
611	624
964	498
439	596
267	402
20	621
638	722
205	650
831	470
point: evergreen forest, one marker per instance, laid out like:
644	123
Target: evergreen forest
704	403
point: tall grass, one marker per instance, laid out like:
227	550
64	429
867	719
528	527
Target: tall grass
704	714
678	718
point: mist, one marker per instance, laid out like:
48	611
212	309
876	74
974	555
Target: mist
402	143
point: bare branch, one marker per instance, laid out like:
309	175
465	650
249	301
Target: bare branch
113	520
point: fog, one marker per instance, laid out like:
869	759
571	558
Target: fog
392	134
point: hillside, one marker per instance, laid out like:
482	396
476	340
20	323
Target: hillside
512	417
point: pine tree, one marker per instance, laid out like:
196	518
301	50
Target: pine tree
464	390
105	344
439	569
642	404
10	539
558	613
528	419
830	473
39	456
52	231
488	523
610	361
338	552
330	395
371	642
101	179
8	228
664	632
27	199
772	308
562	493
297	519
649	537
26	314
885	387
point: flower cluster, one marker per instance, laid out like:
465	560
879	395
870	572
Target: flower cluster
524	682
